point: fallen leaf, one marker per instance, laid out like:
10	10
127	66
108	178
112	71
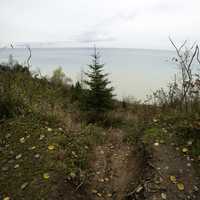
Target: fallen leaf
6	198
49	129
46	176
173	179
18	156
24	185
163	195
184	150
51	147
180	186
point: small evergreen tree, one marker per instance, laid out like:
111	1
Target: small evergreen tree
98	98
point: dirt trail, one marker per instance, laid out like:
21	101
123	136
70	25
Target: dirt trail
166	162
115	169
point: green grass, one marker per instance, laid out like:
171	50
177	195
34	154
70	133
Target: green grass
31	136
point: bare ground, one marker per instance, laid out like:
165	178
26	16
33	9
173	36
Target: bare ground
115	166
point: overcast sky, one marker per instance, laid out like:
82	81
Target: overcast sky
108	23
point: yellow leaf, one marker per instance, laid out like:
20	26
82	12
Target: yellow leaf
51	147
6	198
173	179
184	150
180	186
46	176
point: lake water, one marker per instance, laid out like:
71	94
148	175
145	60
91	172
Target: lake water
133	72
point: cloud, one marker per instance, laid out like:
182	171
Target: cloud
99	32
93	36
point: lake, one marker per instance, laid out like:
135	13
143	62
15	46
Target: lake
133	72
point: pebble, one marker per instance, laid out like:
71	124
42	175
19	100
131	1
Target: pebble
16	166
188	164
156	144
18	156
41	137
37	155
196	189
22	140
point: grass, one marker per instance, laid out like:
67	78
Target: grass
37	153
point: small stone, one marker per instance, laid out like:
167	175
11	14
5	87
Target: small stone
22	140
189	143
106	179
94	191
109	195
98	173
60	129
188	164
24	185
18	156
101	152
16	166
156	144
42	136
99	194
196	189
37	155
139	189
101	180
28	136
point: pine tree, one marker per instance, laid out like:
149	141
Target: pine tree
99	97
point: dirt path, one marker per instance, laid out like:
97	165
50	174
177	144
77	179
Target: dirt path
169	169
115	169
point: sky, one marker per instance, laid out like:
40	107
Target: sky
106	23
